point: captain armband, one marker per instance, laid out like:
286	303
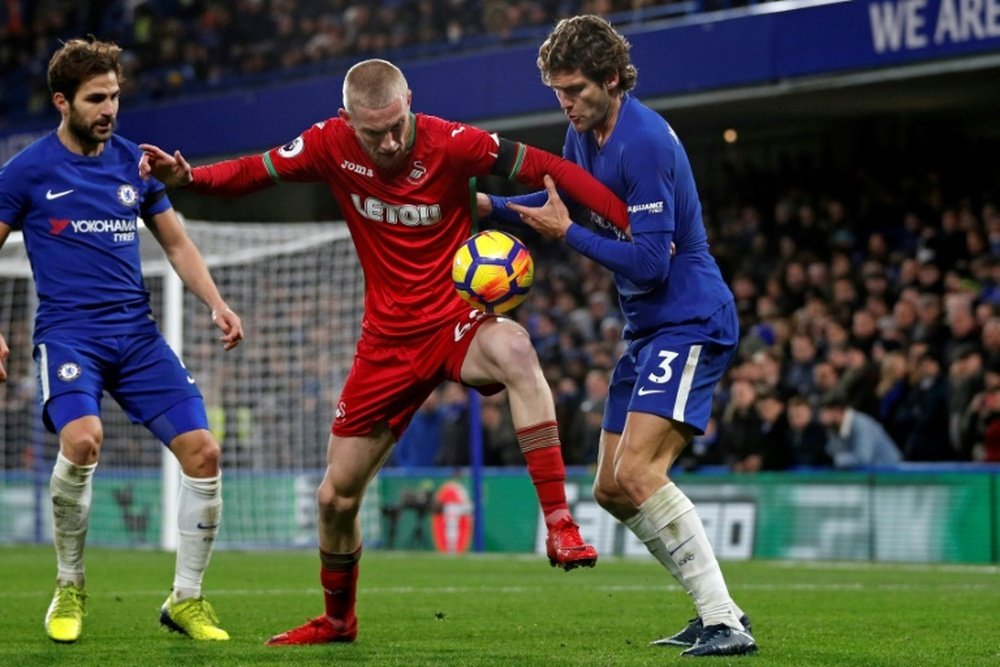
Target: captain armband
510	158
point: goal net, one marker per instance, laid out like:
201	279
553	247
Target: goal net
299	290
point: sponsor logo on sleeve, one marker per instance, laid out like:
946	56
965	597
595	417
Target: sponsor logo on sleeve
650	207
292	148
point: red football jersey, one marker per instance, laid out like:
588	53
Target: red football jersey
407	225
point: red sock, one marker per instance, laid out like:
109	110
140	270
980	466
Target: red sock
543	453
339	576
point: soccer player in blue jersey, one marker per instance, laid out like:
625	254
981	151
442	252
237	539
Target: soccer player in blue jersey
681	325
77	197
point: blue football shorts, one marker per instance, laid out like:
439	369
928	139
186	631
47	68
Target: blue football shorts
140	371
674	371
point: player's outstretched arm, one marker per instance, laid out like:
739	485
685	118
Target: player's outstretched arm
190	266
229	178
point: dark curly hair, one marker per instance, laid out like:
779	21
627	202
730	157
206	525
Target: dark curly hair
590	44
79	60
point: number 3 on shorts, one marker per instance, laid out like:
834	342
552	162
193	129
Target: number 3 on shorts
663	372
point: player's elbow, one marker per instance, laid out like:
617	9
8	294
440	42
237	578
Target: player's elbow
647	275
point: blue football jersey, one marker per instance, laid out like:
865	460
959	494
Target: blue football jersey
644	163
79	216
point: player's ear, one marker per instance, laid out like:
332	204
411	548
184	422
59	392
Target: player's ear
344	115
60	102
611	84
409	99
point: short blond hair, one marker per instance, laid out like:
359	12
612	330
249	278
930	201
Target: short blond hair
373	84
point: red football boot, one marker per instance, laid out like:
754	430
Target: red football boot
320	630
565	547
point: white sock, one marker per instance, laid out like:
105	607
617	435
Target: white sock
199	512
672	516
643	529
71	491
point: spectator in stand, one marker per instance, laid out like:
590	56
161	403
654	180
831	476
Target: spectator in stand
806	438
500	446
826	378
858	377
990	339
930	277
745	291
905	317
845	298
855	439
962	326
930	328
585	430
981	421
864	330
965	380
797	377
893	385
774	453
923	415
740	433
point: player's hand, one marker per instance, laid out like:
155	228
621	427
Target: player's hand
484	206
230	325
4	352
552	219
171	170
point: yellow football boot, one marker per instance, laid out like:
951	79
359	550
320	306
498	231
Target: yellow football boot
193	617
64	619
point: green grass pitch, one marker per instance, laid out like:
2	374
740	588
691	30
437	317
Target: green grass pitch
425	609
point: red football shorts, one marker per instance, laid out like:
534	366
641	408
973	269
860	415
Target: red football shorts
391	377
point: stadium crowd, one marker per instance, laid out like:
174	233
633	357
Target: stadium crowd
187	47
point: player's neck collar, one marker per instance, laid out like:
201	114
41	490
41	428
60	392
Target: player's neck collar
413	131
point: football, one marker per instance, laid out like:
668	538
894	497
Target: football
493	271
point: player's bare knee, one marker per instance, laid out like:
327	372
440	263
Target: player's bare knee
630	479
333	504
81	446
198	454
612	499
209	458
517	357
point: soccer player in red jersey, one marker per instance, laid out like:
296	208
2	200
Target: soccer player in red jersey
402	182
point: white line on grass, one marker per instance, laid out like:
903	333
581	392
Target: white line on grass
505	590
